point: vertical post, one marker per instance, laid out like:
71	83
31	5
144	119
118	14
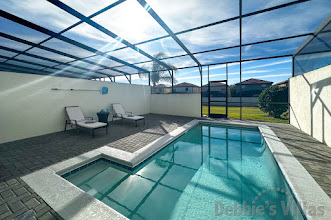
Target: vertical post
289	93
114	79
240	33
149	78
288	102
172	81
130	79
208	94
226	90
200	70
293	65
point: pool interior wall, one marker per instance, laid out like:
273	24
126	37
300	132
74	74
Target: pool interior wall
196	176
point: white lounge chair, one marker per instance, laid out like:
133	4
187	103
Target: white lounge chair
77	119
120	113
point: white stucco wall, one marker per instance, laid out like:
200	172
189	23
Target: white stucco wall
310	99
28	106
176	104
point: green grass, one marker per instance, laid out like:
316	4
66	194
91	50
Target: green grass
248	113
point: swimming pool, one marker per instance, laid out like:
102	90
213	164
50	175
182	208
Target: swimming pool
210	172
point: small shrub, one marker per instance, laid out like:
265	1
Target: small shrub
271	95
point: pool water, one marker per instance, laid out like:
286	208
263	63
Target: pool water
210	172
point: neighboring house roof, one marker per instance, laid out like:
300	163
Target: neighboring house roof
252	81
281	83
185	84
215	84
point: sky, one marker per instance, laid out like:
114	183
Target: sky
130	21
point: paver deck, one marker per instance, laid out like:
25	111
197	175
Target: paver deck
22	157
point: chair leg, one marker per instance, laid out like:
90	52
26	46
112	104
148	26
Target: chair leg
65	126
93	133
107	129
136	123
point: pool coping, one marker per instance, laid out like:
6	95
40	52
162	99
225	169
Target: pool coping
70	202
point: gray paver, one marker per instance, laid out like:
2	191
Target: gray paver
47	216
6	194
22	157
3	209
16	206
32	203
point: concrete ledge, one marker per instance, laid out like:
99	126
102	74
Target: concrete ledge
72	203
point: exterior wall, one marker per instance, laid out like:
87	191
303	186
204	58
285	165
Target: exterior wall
30	108
310	99
183	89
252	87
196	90
186	90
176	104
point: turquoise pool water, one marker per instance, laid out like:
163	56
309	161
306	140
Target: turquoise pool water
211	172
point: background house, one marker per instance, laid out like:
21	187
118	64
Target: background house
161	89
282	84
186	88
217	89
252	87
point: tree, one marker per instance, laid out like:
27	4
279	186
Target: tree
159	73
274	94
233	91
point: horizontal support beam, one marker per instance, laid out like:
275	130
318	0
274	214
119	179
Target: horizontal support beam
222	21
74	25
231	47
56	51
237	61
148	8
48	59
23	69
48	67
65	39
104	30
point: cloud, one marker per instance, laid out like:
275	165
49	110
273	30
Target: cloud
269	76
42	13
205	69
221	74
269	64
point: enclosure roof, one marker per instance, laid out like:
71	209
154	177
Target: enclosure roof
107	38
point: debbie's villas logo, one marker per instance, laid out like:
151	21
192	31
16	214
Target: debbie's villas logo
261	206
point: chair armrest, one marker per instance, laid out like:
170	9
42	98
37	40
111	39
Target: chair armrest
129	112
118	115
89	117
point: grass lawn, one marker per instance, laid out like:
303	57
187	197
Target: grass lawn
249	113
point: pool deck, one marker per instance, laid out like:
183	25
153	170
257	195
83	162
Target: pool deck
22	157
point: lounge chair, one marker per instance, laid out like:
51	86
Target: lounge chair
120	113
77	119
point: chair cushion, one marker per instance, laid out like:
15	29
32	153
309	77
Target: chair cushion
118	109
91	125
